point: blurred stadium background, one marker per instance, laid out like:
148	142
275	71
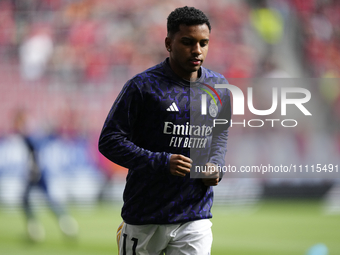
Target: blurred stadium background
65	61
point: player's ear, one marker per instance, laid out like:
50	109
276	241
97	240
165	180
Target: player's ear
168	43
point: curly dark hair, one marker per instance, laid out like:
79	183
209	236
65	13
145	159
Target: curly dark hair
187	16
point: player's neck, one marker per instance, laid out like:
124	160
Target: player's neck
192	76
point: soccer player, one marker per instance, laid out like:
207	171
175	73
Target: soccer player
159	129
36	178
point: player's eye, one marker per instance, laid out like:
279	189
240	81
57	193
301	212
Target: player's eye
187	42
204	43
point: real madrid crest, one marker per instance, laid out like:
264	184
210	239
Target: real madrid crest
213	109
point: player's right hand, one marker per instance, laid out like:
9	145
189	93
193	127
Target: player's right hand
180	165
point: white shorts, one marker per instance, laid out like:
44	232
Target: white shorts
191	238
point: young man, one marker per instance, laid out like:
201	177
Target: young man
36	178
157	130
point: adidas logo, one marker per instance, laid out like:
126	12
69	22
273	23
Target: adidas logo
173	108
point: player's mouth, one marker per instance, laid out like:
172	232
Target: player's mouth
195	61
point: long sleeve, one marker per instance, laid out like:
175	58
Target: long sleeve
220	135
117	138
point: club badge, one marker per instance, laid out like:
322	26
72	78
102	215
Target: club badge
213	109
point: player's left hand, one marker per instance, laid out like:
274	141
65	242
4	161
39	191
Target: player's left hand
212	177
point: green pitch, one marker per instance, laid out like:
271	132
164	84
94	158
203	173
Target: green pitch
272	228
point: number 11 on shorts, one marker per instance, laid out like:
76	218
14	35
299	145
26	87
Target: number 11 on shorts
134	246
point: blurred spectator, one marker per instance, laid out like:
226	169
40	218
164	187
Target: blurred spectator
270	69
268	22
35	53
321	25
7	29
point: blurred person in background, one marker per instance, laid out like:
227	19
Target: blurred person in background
36	178
271	69
268	22
35	53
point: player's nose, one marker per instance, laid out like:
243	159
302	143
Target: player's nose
197	49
